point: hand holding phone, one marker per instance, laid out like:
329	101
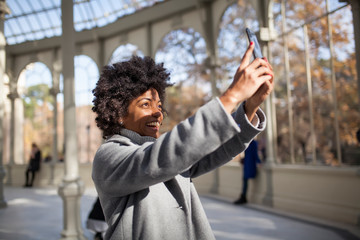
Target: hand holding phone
252	38
252	88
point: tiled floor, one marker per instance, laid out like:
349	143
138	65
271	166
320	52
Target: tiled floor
36	214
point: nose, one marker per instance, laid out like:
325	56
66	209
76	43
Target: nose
156	111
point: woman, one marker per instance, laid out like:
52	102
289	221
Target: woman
144	179
250	163
34	165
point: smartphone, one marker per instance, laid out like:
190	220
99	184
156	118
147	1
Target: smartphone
252	38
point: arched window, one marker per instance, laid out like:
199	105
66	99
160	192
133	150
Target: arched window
89	136
34	84
124	52
183	53
86	76
232	40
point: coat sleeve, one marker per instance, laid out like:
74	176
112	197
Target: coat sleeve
121	169
237	144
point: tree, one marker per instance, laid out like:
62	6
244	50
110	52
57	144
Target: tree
38	105
183	52
297	13
232	40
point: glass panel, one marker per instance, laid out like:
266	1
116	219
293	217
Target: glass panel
87	15
322	91
43	18
346	85
13	28
32	19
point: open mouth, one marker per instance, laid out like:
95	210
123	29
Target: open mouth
155	125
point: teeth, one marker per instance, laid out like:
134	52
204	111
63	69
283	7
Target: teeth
154	124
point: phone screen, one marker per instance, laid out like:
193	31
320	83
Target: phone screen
252	38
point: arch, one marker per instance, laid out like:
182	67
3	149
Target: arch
231	38
19	63
124	52
225	7
179	21
186	63
86	75
37	72
88	137
185	46
36	109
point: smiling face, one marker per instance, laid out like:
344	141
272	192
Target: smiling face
145	114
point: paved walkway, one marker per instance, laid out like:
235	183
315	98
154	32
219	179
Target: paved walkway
36	214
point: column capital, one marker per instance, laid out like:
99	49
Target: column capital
13	95
4	9
54	91
266	34
212	62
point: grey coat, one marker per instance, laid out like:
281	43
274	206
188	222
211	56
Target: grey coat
145	186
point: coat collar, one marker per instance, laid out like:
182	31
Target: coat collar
133	136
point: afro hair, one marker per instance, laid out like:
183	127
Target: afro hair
119	84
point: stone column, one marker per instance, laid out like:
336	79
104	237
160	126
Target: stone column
355	8
54	92
3	10
12	96
270	158
205	12
149	38
71	188
266	35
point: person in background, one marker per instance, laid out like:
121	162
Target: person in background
96	221
262	148
249	162
144	179
34	165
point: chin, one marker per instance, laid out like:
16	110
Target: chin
155	135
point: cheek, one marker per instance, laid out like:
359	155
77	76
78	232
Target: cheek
141	117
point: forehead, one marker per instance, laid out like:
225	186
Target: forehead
150	94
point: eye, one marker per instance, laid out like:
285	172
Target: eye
145	104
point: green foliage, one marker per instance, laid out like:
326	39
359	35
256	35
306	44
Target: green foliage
36	96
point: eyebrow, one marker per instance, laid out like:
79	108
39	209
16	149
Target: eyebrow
145	98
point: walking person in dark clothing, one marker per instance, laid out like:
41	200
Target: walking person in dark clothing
250	163
96	221
34	165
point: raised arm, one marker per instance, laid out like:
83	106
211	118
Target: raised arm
252	83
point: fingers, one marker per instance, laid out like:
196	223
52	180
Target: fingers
266	78
259	62
247	56
261	67
262	92
265	59
252	80
263	71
